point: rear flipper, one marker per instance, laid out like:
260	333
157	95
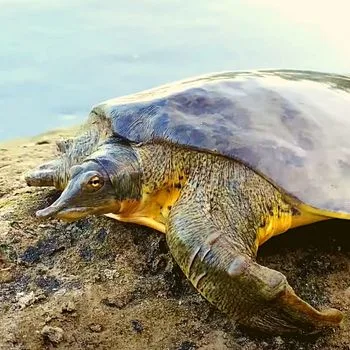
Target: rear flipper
222	268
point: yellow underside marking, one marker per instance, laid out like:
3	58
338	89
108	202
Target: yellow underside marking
324	213
151	210
144	221
307	218
282	222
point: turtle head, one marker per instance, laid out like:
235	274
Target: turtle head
98	186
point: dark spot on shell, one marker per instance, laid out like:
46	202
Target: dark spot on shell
344	165
181	133
289	111
169	207
250	156
181	177
220	141
198	137
290	158
305	142
235	117
161	123
177	185
198	102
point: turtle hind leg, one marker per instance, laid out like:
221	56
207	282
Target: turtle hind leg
216	251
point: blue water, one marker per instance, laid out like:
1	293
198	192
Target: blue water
58	58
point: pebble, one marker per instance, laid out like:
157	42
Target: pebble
110	274
137	326
279	341
187	345
116	302
25	300
52	334
69	307
42	142
95	327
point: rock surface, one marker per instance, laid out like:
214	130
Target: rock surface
100	284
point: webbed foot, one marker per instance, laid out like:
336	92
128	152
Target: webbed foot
224	271
276	307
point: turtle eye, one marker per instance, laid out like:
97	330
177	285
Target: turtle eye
95	183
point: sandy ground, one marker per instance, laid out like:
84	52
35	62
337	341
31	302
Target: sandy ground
100	284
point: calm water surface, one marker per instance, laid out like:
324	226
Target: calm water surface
58	58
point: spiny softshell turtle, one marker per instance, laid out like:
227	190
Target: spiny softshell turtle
219	163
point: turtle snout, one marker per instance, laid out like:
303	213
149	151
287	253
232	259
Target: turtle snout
48	212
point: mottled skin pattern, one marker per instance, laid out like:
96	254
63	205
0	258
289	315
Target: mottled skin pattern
187	159
212	232
290	126
212	210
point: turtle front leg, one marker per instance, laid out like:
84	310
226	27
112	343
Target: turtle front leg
44	175
72	152
52	173
219	260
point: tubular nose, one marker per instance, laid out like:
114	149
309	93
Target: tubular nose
49	211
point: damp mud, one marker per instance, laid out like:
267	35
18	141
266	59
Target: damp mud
100	284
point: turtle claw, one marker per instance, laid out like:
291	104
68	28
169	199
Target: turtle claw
295	313
290	314
280	309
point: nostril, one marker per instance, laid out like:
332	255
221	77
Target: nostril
47	212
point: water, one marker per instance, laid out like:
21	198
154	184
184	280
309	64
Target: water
58	58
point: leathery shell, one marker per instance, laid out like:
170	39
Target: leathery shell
292	127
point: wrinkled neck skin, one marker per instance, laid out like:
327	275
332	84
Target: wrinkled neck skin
163	170
148	179
169	171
